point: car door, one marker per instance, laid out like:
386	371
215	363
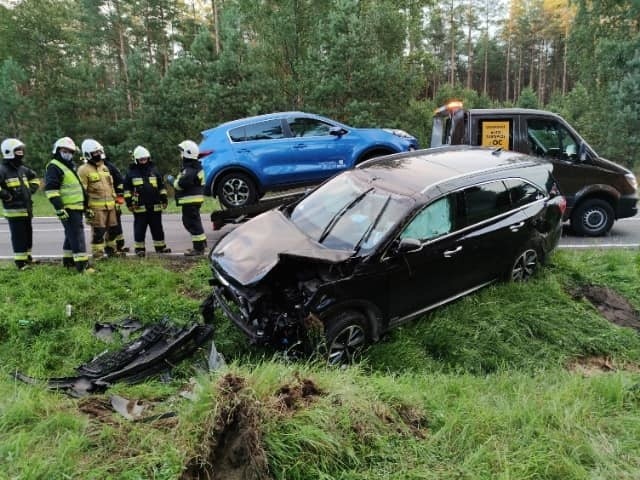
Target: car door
315	152
264	147
434	272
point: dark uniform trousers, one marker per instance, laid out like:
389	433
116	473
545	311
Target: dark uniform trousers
193	224
21	239
74	241
153	220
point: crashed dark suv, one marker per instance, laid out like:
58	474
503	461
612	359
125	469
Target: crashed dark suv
383	243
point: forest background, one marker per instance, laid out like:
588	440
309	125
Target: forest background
155	72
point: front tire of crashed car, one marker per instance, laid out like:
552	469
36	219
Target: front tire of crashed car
346	335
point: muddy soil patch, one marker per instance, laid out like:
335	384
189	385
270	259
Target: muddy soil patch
299	393
234	450
611	305
180	263
98	408
591	366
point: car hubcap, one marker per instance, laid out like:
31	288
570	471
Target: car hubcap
235	191
525	266
594	219
346	345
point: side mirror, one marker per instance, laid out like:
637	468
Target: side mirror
408	245
337	131
582	152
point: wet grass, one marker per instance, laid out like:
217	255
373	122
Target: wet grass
479	389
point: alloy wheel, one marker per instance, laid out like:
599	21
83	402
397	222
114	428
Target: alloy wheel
236	191
524	266
346	345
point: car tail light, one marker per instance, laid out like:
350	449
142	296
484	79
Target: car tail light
205	153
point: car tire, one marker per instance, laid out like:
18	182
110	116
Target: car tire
592	218
236	190
347	334
524	266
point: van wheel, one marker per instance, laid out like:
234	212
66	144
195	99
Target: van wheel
592	218
524	266
236	190
347	334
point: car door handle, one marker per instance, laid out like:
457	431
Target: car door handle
299	146
451	253
516	227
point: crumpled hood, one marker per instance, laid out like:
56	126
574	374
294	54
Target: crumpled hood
251	251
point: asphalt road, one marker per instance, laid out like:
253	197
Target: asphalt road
48	236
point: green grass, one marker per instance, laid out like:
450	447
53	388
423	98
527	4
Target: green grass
476	390
43	208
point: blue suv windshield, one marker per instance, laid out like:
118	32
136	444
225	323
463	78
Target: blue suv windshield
347	214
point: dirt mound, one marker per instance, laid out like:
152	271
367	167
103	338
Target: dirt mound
98	408
291	397
611	305
590	366
234	450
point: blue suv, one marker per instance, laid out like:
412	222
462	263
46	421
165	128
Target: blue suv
244	159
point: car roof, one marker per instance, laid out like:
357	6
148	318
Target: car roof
416	172
265	117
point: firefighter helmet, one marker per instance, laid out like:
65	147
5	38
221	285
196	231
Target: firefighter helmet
90	146
64	142
140	152
9	146
189	149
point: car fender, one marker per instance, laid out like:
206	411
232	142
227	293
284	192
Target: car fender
371	311
598	190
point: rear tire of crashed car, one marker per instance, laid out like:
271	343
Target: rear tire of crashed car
236	189
346	334
592	218
524	266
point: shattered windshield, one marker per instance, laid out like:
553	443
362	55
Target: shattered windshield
348	214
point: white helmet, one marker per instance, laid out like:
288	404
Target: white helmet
64	142
189	149
10	145
140	152
89	146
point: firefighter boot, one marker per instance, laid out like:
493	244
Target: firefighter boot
163	249
141	252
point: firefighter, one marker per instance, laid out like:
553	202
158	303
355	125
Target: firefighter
189	186
98	183
118	186
17	183
146	197
64	190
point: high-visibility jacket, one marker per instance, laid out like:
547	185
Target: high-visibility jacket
144	189
190	183
98	183
62	185
16	186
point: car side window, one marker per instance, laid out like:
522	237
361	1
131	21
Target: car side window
549	138
269	130
485	201
435	220
522	193
308	127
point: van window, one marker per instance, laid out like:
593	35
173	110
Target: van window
485	201
271	129
495	133
549	138
435	220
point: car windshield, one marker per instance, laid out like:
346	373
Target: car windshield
348	214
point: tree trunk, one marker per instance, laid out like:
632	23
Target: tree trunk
452	59
216	25
469	47
122	56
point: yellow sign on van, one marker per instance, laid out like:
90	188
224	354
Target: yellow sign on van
495	134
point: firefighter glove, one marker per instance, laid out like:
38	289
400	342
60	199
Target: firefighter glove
171	179
89	215
5	195
62	214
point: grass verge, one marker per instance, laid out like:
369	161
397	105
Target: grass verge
481	389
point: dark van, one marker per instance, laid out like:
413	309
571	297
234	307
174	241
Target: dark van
598	191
